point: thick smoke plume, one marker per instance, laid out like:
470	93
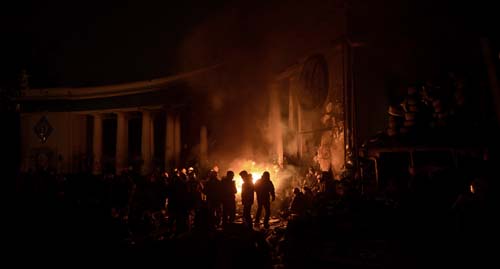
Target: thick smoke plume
253	41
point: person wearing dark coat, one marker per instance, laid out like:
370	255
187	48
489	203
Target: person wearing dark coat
228	191
265	191
212	190
298	204
247	197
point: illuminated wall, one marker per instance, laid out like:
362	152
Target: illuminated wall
314	126
65	143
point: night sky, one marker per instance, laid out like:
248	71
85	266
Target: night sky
84	43
77	43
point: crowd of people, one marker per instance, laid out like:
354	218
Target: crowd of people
130	210
179	201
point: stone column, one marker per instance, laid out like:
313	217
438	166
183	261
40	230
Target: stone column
177	140
147	142
169	141
292	116
300	135
121	142
97	145
203	146
275	121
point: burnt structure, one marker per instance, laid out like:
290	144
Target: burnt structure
319	123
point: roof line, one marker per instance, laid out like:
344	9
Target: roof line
69	93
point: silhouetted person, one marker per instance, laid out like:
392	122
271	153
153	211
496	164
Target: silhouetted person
298	204
247	197
308	198
194	187
326	182
310	179
178	206
265	191
228	190
212	190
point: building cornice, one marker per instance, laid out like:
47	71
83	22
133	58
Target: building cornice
69	93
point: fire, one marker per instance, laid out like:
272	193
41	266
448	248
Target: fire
256	175
253	168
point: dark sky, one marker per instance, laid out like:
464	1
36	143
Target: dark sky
77	43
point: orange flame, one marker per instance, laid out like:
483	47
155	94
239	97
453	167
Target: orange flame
252	168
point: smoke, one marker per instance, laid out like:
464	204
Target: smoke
253	41
261	38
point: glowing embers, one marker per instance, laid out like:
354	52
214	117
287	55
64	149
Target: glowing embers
43	129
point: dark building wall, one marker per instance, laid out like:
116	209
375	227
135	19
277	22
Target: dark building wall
405	43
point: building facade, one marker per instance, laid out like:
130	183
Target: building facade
108	128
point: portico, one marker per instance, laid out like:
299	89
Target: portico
147	117
108	128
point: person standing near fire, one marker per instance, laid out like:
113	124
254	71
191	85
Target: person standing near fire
247	197
212	190
228	191
265	191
